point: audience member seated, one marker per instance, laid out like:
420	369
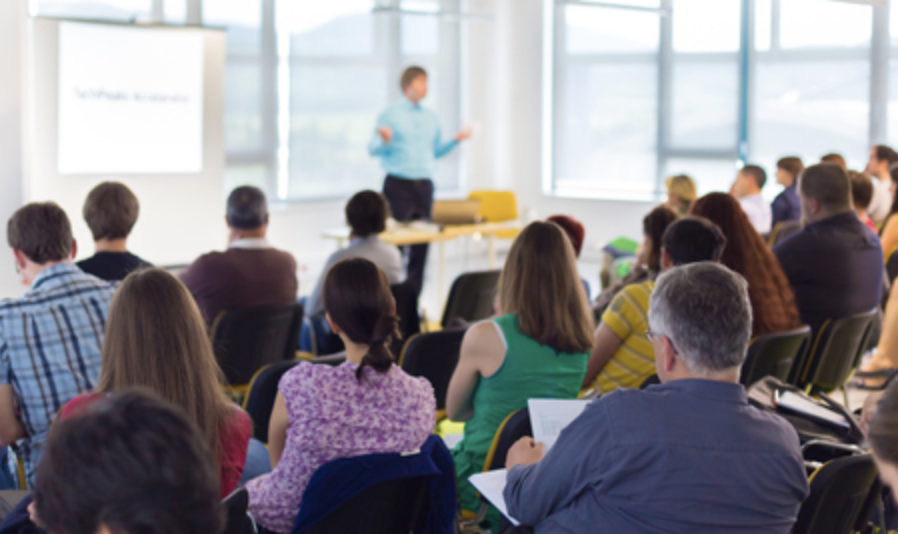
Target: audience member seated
576	232
538	349
747	189
366	405
155	339
835	263
835	158
131	464
110	212
50	338
879	167
366	214
648	258
622	355
861	196
689	455
746	253
681	193
786	206
251	272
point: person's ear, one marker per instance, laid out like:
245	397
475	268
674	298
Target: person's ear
74	253
666	260
668	356
20	257
334	328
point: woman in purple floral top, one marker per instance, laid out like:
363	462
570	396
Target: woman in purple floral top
366	405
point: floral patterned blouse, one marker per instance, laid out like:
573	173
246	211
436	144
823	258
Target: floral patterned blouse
332	415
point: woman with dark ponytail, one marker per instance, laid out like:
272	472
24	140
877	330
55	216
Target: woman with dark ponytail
366	405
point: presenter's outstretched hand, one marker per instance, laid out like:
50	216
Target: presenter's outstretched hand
462	135
386	134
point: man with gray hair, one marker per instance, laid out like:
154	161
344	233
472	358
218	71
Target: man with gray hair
251	272
687	455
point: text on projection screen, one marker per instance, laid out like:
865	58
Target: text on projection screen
130	100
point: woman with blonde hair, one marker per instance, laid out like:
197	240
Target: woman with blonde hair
538	349
155	338
681	193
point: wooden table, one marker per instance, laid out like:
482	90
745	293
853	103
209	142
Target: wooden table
422	233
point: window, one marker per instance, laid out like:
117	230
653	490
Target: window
643	90
115	10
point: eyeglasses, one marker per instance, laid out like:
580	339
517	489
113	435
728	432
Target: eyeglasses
655	335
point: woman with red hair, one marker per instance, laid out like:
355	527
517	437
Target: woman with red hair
573	228
772	302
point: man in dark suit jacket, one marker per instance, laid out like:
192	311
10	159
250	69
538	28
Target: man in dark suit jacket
251	272
835	264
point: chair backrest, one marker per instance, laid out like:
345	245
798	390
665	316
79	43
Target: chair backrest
774	354
496	206
471	297
516	426
781	231
406	297
839	496
433	356
237	521
892	267
397	505
247	340
263	390
836	351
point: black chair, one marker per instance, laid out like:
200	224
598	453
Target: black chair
774	354
398	505
246	340
471	297
237	521
516	426
263	390
650	381
839	502
783	230
835	353
433	356
406	297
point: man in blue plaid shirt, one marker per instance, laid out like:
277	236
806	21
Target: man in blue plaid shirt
50	338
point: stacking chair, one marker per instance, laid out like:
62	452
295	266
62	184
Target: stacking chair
237	521
246	340
781	231
406	297
433	356
263	390
840	500
498	206
471	297
835	353
774	354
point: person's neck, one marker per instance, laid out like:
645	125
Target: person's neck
884	176
355	352
751	193
413	99
111	245
257	233
729	376
822	215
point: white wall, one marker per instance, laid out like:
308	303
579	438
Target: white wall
11	16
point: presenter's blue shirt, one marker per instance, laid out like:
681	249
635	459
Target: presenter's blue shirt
417	141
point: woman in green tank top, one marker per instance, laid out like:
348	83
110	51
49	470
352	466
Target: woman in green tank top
538	350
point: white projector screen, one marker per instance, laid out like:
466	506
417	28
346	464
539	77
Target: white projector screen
130	100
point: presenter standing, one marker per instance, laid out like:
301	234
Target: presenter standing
408	142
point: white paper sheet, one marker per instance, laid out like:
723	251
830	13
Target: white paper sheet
550	416
491	486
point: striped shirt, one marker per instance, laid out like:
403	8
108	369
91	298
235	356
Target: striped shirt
634	360
50	343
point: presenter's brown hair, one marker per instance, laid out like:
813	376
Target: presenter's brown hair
409	75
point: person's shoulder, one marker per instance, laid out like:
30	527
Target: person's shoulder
774	428
79	405
238	424
632	296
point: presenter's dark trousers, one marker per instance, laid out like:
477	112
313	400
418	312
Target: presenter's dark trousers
411	200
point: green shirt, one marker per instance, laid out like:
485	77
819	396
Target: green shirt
530	371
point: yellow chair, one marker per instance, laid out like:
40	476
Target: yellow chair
498	206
